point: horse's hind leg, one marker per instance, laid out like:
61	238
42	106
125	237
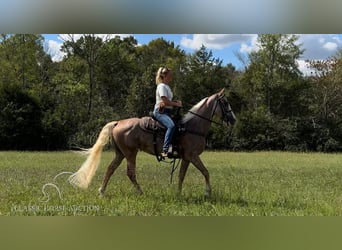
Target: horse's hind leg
110	170
131	167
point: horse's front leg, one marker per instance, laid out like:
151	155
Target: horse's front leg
182	171
200	166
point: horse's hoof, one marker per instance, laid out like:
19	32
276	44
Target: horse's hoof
140	192
207	195
101	192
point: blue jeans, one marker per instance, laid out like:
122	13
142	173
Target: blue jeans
166	120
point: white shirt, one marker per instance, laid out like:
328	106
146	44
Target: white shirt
163	90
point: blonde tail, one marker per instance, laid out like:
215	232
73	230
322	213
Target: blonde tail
85	174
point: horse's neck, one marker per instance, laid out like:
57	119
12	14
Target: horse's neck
200	123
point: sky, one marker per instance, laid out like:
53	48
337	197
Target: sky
223	46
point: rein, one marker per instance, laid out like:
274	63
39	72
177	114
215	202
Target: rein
212	114
204	118
224	110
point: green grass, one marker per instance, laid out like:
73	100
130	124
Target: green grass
259	183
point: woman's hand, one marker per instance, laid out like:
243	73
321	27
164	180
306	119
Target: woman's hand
178	103
161	107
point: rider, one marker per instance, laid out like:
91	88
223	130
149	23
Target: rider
164	105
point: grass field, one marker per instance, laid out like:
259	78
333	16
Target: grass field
250	184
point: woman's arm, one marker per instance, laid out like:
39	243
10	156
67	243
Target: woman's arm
167	102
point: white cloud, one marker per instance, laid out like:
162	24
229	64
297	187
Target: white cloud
316	46
252	45
304	68
336	39
53	48
319	46
214	41
330	46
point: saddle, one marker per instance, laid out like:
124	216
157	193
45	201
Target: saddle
152	125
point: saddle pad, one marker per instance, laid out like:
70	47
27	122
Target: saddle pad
148	123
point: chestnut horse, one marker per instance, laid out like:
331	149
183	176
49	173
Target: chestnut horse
128	138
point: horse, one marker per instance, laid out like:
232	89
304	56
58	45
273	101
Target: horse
128	138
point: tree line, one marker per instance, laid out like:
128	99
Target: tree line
47	105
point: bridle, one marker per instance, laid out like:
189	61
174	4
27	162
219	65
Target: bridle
225	111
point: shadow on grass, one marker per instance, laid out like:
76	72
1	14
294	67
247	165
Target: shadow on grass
280	203
218	204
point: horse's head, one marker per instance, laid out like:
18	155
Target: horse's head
216	104
225	111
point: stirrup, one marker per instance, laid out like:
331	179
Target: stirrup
175	154
164	154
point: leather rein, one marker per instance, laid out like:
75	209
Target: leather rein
224	111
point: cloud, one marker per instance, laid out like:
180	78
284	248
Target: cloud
249	46
330	46
303	66
319	46
316	46
53	48
214	41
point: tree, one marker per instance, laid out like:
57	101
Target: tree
272	91
117	67
202	75
328	87
141	99
87	47
272	69
20	119
327	100
26	73
20	60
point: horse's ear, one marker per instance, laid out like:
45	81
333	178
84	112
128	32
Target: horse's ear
221	93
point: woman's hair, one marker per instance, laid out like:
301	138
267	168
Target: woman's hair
161	73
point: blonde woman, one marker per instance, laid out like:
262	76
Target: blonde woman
164	105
